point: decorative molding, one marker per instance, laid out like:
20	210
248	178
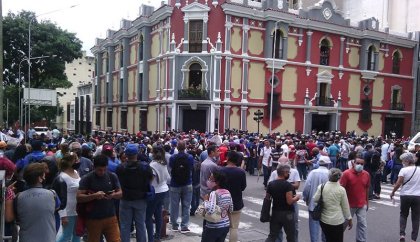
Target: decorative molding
369	75
278	64
324	77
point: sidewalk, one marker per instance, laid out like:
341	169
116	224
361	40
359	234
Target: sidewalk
250	235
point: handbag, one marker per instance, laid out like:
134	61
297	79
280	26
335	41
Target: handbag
214	217
265	210
316	213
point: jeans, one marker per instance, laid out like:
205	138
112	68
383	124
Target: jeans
342	163
385	174
195	201
280	238
280	220
130	210
333	233
361	227
394	173
302	169
314	229
408	202
184	195
251	165
266	174
333	161
67	234
154	210
214	235
377	183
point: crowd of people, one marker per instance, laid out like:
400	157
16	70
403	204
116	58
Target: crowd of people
118	186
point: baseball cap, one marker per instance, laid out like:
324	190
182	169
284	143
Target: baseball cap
107	147
131	149
324	160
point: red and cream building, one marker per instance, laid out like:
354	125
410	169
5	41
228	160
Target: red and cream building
210	64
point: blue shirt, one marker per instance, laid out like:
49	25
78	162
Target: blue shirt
34	156
315	178
333	150
113	164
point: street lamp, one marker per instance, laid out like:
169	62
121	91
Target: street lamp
272	77
20	84
29	56
258	117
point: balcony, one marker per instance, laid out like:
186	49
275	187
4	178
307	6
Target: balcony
193	94
324	101
398	106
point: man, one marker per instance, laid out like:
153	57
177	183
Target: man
181	166
208	166
84	166
315	178
35	207
344	155
294	179
265	153
55	133
113	162
135	178
385	157
252	159
274	157
236	184
372	165
97	190
283	215
333	151
356	181
35	156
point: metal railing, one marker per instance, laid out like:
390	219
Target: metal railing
398	106
324	101
193	94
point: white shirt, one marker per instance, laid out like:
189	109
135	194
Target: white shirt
411	188
285	149
72	187
265	153
385	149
294	176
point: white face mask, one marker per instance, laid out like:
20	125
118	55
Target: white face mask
358	168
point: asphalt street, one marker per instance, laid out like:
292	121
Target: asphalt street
383	218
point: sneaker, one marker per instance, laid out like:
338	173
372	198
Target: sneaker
185	230
173	229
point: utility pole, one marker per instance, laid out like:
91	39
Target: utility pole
1	63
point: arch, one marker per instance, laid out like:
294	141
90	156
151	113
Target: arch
186	69
195	77
326	38
396	62
324	50
278	44
371	58
399	52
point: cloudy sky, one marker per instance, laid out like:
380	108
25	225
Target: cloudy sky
88	19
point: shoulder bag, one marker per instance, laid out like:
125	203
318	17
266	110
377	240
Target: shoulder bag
316	214
214	217
415	169
265	210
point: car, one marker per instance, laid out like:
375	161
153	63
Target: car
41	130
414	141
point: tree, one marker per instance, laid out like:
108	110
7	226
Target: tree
47	39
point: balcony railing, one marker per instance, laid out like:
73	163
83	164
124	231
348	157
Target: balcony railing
193	94
398	106
324	101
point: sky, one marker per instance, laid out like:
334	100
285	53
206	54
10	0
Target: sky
89	19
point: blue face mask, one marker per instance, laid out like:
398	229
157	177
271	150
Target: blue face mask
358	168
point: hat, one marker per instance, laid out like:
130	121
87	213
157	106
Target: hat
324	160
107	147
131	149
51	146
3	145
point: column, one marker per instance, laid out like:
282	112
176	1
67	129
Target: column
126	62
308	47
158	87
244	111
185	43
245	40
245	78
217	68
109	79
228	33
228	77
204	43
342	45
227	116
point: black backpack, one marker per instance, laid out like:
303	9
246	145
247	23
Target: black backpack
180	172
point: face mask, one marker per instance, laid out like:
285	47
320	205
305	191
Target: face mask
211	184
358	168
76	166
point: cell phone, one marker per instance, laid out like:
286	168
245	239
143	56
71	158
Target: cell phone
109	192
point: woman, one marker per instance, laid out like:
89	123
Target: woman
300	161
409	179
335	210
217	232
397	163
68	215
155	207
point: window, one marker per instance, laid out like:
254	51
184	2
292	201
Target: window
121	90
293	4
121	56
98	118
96	94
141	44
396	60
109	118
140	86
366	112
195	76
324	53
124	119
107	92
68	112
195	36
278	46
396	99
276	104
371	59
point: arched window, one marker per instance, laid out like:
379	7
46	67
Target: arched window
141	43
371	60
195	80
396	59
324	53
278	45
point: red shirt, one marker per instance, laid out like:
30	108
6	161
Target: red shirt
357	187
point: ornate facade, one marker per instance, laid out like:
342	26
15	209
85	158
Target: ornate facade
211	64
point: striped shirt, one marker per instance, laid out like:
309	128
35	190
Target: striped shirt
223	199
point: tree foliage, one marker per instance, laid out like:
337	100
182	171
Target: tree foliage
47	39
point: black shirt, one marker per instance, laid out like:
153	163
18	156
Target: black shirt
236	184
103	208
278	189
135	178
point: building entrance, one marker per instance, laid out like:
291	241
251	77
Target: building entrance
194	119
393	125
321	122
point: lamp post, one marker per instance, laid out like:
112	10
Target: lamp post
272	77
29	56
258	117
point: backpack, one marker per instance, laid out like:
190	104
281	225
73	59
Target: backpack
180	172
